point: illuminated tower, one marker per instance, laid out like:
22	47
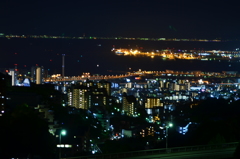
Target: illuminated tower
38	75
13	73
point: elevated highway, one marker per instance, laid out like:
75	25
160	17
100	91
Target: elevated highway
81	78
194	75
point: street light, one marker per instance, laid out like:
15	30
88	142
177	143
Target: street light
62	132
167	126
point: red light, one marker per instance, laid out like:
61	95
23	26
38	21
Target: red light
6	70
15	64
50	60
36	64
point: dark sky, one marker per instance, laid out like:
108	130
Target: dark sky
131	18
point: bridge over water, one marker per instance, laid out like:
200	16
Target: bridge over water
81	78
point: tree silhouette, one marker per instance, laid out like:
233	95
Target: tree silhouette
25	134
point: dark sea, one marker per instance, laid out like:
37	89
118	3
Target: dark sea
96	57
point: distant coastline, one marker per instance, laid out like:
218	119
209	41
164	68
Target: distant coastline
9	36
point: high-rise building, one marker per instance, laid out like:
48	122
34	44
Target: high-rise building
89	94
176	87
37	74
33	74
152	102
106	85
128	104
13	73
129	85
79	97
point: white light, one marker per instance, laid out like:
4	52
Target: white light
63	132
67	146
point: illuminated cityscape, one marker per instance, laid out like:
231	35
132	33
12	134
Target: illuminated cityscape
116	79
183	54
134	104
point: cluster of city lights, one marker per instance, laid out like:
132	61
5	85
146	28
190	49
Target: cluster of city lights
182	54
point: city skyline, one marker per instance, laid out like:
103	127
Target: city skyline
119	78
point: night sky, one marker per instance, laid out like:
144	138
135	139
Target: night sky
130	18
